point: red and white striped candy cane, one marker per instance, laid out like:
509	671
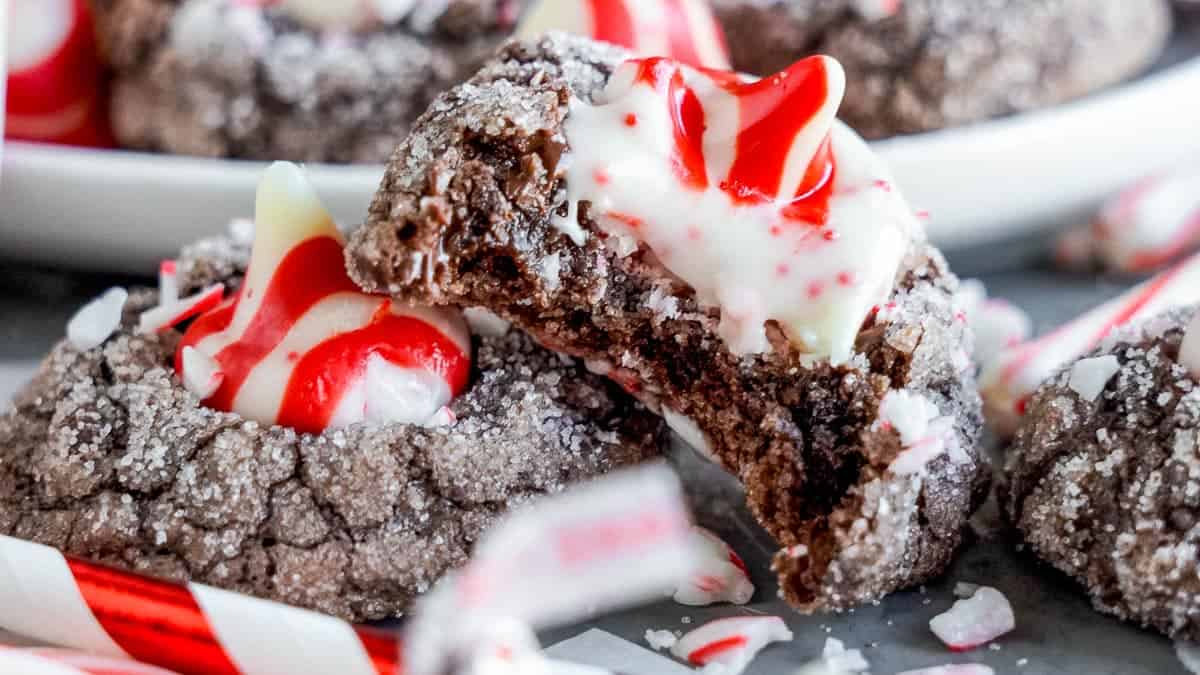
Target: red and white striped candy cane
1007	384
1152	223
192	629
68	662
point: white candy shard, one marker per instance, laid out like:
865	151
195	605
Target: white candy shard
660	639
953	669
839	659
168	283
876	10
1189	655
732	643
241	231
97	320
1089	377
965	589
1189	349
167	315
1009	381
924	432
201	373
610	542
720	575
485	323
690	432
975	621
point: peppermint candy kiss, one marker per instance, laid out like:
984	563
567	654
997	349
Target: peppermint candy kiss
54	74
300	345
681	29
751	192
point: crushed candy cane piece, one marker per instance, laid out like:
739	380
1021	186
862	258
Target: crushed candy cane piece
975	621
876	10
720	576
838	658
732	643
168	282
660	639
1189	655
97	320
485	323
1089	377
965	589
925	433
1189	349
612	541
997	323
201	373
953	669
169	315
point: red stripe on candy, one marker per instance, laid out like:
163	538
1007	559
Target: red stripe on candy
154	621
323	376
706	653
772	112
612	22
310	272
680	34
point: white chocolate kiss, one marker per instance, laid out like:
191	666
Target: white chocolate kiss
288	212
727	251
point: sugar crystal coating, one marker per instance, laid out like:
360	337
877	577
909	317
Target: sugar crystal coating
1107	488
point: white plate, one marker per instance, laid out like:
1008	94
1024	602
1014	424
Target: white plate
124	211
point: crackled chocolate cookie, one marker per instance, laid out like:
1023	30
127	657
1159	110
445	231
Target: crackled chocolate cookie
1103	479
928	64
122	448
289	79
771	295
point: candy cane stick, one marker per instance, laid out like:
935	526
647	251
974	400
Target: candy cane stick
67	662
192	629
1019	371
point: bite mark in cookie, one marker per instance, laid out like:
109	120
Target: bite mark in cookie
468	215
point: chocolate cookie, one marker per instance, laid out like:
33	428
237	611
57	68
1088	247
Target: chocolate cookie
465	217
222	78
1103	479
107	456
942	63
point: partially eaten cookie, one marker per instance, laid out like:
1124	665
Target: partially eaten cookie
734	257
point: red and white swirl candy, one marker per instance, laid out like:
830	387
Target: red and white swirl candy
301	345
685	30
54	74
1007	384
750	192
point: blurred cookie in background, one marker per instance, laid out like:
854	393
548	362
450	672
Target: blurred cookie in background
928	64
287	79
